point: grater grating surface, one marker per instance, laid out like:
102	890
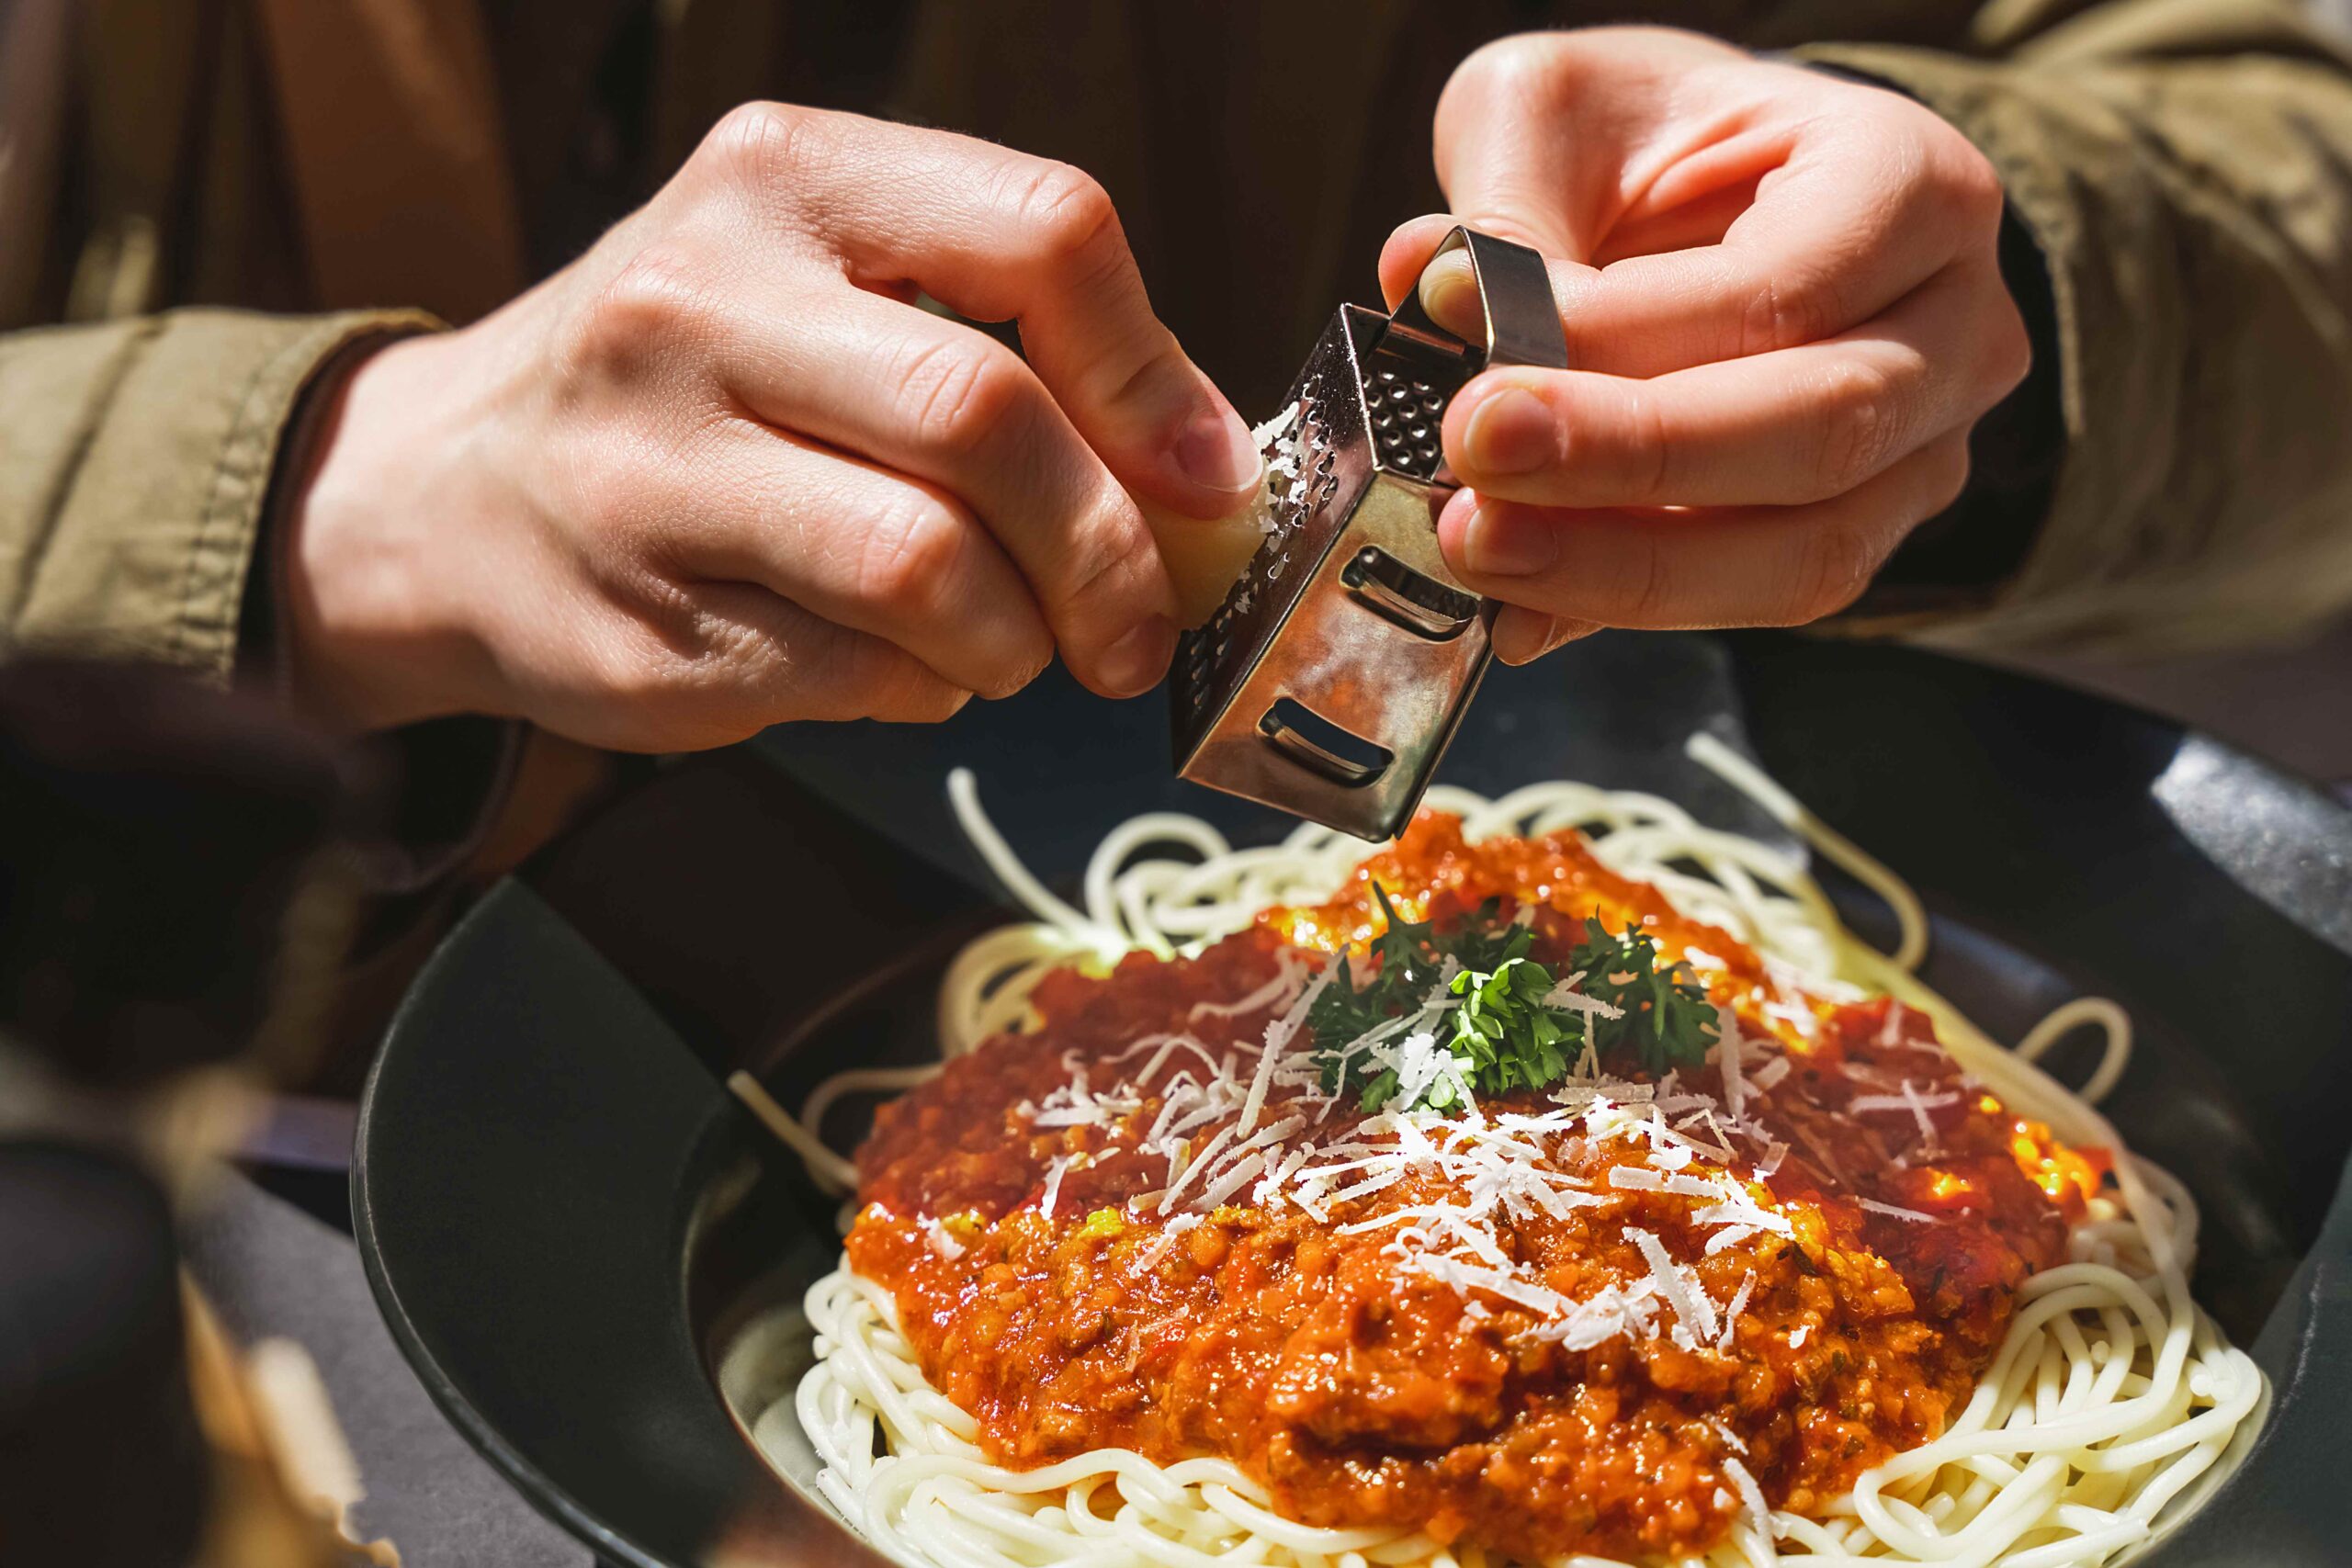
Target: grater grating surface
1329	681
1212	661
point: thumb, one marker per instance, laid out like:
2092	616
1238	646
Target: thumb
1515	154
1515	161
1511	202
1542	138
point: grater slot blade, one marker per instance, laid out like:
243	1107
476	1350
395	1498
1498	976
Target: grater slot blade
1315	742
1414	599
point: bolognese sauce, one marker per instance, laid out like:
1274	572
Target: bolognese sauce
1611	1316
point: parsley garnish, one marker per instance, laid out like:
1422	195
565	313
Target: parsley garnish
1408	963
1668	1022
1491	1019
1504	1029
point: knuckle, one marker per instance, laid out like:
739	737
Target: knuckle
910	555
1650	589
1028	661
817	674
1529	74
1785	311
759	144
1063	212
1650	450
637	669
888	683
805	668
815	669
655	299
708	661
1935	176
938	703
1859	422
1110	562
1509	68
2009	349
957	394
1972	180
1831	566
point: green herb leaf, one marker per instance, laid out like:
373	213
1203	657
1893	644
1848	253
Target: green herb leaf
1667	1022
1494	1023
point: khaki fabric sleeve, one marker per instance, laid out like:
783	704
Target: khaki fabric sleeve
135	462
2183	166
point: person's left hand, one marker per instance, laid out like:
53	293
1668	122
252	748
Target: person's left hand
1785	313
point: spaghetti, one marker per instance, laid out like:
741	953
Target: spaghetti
2100	1417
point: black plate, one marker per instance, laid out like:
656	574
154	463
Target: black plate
568	1224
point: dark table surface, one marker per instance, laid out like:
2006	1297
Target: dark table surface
271	1269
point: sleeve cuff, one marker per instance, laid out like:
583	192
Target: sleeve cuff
150	548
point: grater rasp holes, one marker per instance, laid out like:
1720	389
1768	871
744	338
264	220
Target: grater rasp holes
1406	415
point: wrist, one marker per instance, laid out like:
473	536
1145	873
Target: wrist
368	636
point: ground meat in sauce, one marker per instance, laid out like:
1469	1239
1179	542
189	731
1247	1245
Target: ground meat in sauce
1361	1393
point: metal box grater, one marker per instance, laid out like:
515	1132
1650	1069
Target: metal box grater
1330	680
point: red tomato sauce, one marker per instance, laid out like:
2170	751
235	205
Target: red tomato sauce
1361	1393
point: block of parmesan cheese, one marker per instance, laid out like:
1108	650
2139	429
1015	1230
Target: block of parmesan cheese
1204	560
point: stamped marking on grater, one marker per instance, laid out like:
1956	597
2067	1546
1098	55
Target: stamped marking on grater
1330	680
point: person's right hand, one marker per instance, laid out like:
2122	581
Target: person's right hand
722	471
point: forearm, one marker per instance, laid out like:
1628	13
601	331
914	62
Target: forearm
2189	211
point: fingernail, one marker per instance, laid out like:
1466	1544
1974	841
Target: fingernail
1510	432
1134	664
1506	542
1216	452
1449	291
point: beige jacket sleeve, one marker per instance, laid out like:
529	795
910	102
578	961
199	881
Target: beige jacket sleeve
2183	166
135	460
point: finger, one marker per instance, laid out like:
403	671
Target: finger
1521	152
999	235
945	405
1448	283
1797	424
710	663
863	548
1734	566
778	662
1547	140
1855	215
1521	636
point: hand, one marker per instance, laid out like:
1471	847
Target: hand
723	471
1785	313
